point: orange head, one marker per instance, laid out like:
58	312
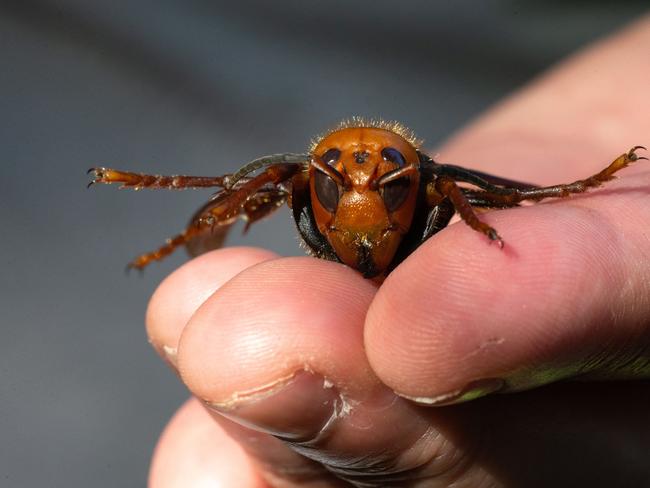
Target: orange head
364	184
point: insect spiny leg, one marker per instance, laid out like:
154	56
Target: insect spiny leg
128	179
166	249
450	189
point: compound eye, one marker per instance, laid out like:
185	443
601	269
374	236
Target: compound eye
395	192
331	156
327	191
393	155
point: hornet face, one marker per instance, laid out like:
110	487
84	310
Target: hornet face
363	185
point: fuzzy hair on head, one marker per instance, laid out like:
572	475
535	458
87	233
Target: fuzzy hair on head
360	122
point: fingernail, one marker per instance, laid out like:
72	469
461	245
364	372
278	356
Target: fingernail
171	356
472	391
295	408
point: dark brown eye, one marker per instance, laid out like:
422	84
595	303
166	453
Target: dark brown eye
331	156
395	192
327	191
393	155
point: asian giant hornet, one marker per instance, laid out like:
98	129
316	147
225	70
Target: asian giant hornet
364	194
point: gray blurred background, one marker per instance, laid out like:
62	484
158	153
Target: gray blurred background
198	87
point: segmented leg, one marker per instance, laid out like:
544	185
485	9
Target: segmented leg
169	247
254	198
236	198
475	199
448	188
261	205
508	197
138	181
503	197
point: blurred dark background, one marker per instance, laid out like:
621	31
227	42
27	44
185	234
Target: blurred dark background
197	87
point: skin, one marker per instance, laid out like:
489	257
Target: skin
567	299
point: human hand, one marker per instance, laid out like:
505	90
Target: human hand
310	372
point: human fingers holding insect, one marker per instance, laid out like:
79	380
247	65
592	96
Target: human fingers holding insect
264	368
295	370
316	371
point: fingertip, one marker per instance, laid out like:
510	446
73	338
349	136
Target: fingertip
272	321
459	312
184	290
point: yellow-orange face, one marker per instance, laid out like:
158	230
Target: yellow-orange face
363	185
